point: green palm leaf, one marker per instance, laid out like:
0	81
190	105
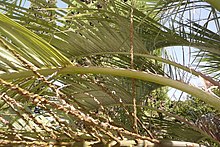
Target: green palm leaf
29	45
64	100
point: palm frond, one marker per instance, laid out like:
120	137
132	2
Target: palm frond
65	72
29	45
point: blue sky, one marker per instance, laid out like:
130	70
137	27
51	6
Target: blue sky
185	58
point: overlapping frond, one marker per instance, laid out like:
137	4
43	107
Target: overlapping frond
65	72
